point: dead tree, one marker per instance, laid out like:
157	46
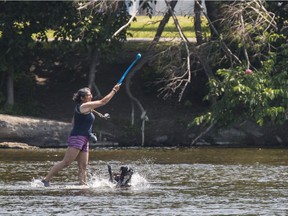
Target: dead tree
147	56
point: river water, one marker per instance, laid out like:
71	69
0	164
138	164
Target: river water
190	181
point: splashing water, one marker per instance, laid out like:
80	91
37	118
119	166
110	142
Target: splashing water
99	181
35	183
137	182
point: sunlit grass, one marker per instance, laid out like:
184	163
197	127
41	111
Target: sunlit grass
146	27
50	34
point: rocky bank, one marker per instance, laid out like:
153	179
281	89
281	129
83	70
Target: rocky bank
26	132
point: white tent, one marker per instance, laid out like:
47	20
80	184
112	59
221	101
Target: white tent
183	7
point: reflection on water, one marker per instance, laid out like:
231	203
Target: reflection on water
197	181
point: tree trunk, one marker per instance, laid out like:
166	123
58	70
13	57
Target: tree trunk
197	22
163	22
92	71
10	88
213	12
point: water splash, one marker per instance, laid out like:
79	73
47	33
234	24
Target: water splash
101	182
36	183
97	180
139	182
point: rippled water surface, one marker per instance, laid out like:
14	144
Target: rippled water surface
196	181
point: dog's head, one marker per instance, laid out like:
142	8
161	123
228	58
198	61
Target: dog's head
123	178
124	170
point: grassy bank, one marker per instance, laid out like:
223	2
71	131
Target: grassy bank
145	27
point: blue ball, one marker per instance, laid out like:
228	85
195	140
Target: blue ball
138	56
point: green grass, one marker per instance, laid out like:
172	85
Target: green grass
146	27
50	33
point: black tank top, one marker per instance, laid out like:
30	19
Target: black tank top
83	122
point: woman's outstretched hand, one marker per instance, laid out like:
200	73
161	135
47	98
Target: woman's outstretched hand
116	87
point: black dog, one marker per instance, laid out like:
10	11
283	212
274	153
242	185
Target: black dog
121	179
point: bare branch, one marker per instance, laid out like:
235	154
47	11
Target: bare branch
130	20
222	43
243	18
146	58
99	5
176	78
203	133
244	41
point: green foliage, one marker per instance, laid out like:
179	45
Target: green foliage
95	28
23	22
254	39
19	21
260	96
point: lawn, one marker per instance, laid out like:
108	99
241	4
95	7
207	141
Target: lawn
145	27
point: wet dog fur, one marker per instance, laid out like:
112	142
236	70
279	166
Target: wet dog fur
121	179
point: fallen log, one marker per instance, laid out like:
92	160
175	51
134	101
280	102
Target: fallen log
33	131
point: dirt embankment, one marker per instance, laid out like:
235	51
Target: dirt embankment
55	83
168	119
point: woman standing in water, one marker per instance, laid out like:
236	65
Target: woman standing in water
78	141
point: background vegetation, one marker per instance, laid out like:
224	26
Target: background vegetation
238	59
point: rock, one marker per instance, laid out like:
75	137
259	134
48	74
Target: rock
16	145
33	131
161	139
230	136
249	133
16	131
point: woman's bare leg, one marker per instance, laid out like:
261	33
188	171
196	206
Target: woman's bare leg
70	155
82	159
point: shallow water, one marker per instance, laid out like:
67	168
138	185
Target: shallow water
196	181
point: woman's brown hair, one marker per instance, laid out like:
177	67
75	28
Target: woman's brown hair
77	97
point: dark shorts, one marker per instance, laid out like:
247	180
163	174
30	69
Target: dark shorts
79	142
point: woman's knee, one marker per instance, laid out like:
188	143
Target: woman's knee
82	161
66	163
82	166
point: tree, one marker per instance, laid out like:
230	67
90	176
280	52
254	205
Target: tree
102	19
253	85
244	35
19	21
23	22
